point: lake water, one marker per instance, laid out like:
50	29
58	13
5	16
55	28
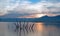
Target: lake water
29	29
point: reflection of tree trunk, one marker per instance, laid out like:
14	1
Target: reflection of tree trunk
32	27
23	27
26	27
20	29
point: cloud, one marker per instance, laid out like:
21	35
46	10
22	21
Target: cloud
26	6
52	1
7	5
40	7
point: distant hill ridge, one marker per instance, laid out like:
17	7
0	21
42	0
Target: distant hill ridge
41	19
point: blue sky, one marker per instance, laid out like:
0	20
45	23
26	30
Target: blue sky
34	1
29	6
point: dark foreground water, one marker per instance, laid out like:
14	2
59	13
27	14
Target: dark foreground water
29	29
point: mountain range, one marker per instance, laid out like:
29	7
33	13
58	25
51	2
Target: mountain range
50	18
41	19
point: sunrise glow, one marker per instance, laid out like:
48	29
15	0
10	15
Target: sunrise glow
39	15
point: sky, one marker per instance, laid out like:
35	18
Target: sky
29	6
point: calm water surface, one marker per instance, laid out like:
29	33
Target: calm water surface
29	29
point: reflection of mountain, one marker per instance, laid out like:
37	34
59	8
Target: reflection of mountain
42	19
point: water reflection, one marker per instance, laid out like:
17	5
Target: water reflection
39	26
31	28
